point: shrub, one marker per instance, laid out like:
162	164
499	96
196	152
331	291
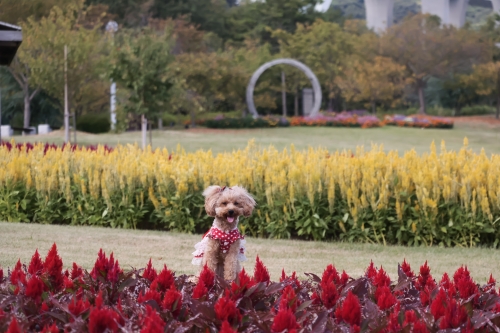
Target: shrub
108	298
476	110
94	123
247	122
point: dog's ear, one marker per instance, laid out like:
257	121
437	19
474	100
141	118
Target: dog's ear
248	201
211	195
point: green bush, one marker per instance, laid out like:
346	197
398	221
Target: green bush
247	122
94	123
476	110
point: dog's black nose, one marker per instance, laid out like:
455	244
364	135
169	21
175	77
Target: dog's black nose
231	212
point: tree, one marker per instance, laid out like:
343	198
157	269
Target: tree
377	81
141	62
485	80
324	47
16	11
40	60
427	49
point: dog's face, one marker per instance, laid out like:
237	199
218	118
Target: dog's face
227	203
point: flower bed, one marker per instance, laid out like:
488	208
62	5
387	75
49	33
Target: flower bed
43	297
47	146
417	120
343	119
377	196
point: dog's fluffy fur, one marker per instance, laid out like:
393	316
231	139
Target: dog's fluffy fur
226	205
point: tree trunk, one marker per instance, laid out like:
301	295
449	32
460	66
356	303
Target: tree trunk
373	108
296	103
193	118
421	99
283	93
144	131
330	105
27	110
497	115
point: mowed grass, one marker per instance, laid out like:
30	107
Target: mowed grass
133	248
392	138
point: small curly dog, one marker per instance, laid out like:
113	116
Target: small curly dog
223	247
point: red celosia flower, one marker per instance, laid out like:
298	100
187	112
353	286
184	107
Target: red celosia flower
18	276
490	285
151	294
316	298
36	264
152	323
50	329
164	280
381	278
199	290
77	307
344	278
149	272
1	274
329	295
68	283
242	283
226	328
35	288
103	320
106	268
467	288
44	307
53	268
460	273
350	310
330	274
439	303
207	276
284	320
425	278
225	309
293	278
76	272
289	299
173	300
455	315
261	274
407	269
393	325
412	320
371	271
385	299
445	281
14	326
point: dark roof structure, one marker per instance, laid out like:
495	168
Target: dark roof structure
10	39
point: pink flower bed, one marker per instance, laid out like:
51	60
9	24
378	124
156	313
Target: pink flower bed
43	297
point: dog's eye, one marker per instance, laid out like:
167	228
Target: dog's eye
224	203
236	203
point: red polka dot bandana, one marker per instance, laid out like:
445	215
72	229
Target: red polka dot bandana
226	239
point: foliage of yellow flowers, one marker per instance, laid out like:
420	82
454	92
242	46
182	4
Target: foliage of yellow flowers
416	193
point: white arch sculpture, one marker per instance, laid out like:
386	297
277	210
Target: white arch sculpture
284	61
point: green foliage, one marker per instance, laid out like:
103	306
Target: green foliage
94	123
140	62
475	110
247	122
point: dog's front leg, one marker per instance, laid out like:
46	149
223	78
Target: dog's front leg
231	262
211	255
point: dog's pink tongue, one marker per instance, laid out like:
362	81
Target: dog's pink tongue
230	219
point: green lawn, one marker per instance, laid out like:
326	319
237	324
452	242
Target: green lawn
401	139
133	248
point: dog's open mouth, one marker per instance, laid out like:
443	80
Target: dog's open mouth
230	219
